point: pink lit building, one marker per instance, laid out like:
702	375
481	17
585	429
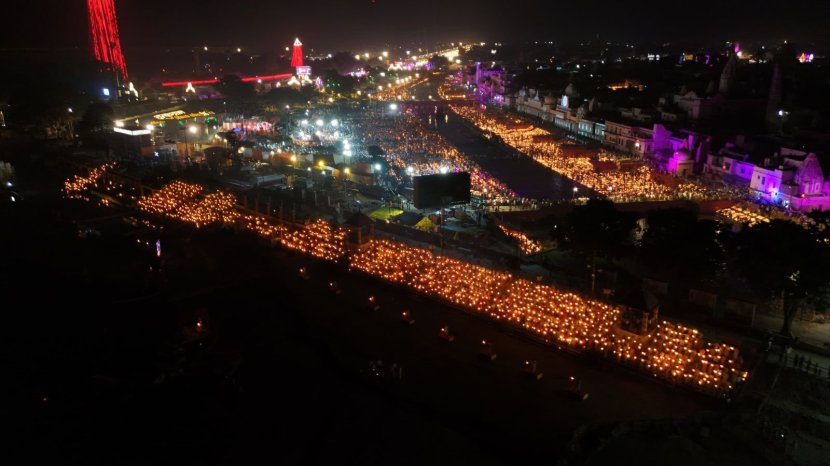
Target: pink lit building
791	178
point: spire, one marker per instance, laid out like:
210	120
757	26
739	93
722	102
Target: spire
728	75
297	55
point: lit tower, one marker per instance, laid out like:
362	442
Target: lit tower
297	55
103	32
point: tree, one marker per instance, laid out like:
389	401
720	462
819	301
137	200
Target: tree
596	229
98	116
820	225
782	259
283	96
234	89
39	103
438	62
375	151
337	83
676	243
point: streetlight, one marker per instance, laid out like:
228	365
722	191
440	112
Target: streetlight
574	194
191	129
376	172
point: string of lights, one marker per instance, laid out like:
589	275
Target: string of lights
106	44
526	244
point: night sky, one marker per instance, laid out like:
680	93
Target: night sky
357	24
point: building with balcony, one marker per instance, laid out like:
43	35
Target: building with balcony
628	137
566	112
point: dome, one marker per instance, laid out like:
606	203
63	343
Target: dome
683	154
571	91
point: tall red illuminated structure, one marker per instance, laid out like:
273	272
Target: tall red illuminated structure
103	31
297	54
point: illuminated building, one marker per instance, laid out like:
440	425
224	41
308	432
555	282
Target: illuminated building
566	113
103	30
779	175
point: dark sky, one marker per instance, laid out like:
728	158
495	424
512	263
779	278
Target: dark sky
357	24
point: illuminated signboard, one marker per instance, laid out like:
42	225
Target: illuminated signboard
303	71
129	132
181	115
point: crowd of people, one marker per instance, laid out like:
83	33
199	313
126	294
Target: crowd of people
620	184
411	149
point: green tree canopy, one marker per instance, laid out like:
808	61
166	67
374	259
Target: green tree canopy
234	89
782	259
596	228
98	116
676	243
335	82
